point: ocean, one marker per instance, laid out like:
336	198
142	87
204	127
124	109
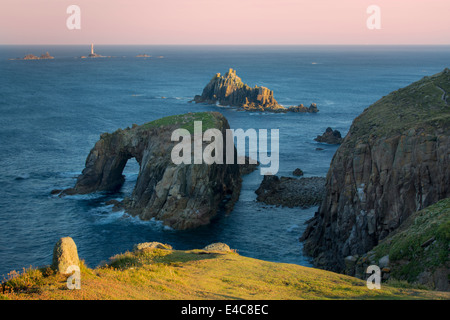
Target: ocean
53	111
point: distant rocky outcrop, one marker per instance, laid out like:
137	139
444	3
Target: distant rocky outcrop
182	196
394	161
229	90
330	136
291	192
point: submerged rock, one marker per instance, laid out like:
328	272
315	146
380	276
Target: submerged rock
182	196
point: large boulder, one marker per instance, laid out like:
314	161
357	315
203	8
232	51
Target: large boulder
394	161
218	246
65	254
151	245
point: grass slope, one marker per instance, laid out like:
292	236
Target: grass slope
197	274
185	121
423	104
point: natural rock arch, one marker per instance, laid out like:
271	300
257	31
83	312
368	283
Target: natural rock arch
183	196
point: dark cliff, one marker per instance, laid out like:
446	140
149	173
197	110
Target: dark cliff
394	161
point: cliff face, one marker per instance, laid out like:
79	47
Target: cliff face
229	90
394	161
183	196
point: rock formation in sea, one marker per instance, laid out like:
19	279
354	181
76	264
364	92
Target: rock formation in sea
330	136
394	161
298	172
182	196
291	192
65	254
229	90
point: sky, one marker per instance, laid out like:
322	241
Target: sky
225	22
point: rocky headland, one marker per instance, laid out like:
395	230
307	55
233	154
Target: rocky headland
182	196
394	161
229	90
291	192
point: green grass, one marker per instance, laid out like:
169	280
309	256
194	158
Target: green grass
404	247
197	274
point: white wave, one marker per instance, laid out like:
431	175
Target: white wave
88	196
69	174
106	216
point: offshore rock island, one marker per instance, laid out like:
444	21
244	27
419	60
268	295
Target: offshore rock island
183	196
229	90
45	56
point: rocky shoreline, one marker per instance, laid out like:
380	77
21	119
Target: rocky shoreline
330	136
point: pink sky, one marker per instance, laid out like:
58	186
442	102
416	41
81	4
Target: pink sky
225	22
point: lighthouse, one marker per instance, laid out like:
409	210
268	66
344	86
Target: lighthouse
92	49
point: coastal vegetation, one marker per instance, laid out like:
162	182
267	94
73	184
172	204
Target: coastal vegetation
198	274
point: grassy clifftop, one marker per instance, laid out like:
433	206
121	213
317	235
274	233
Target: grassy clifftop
421	105
198	274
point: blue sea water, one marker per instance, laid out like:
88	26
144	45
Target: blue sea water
53	111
